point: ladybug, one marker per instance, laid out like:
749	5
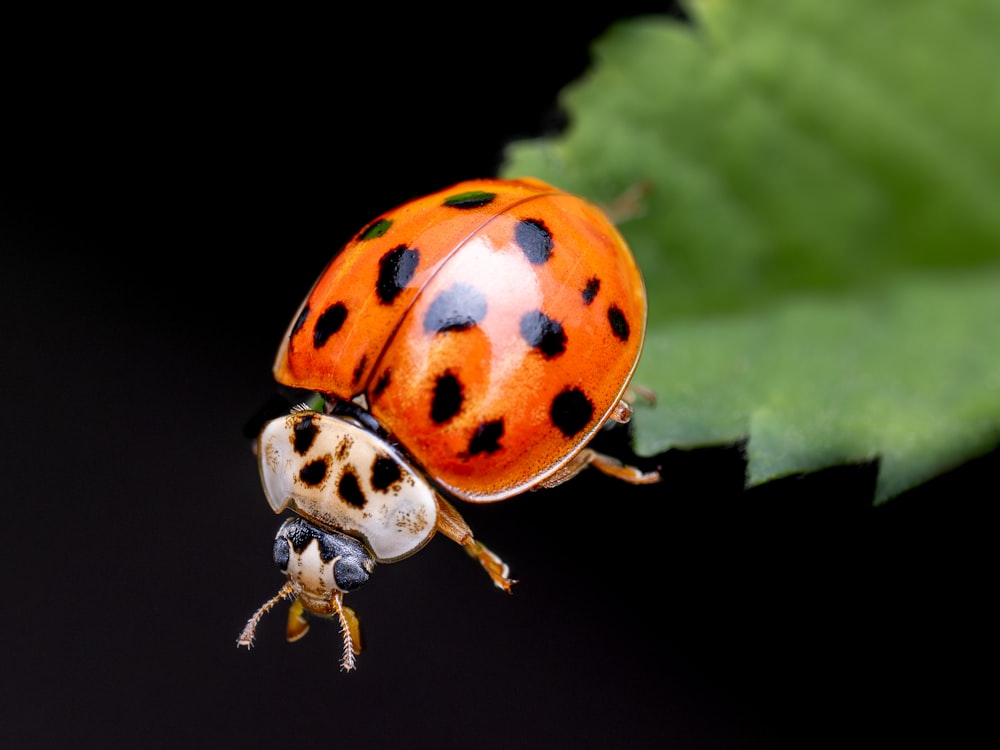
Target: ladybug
466	345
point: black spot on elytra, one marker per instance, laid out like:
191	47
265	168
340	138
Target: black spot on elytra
314	472
382	383
456	309
486	438
619	325
471	199
571	411
447	400
360	369
534	239
304	434
543	334
590	291
299	321
329	323
374	230
395	270
349	489
385	473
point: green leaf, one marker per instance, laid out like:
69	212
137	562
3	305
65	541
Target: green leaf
817	229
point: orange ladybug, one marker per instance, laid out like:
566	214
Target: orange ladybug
468	344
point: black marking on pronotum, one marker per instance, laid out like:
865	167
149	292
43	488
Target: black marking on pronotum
314	472
543	334
447	399
571	411
619	325
349	489
395	270
304	433
471	199
457	308
332	546
590	291
297	534
343	448
374	230
385	473
299	321
329	323
534	239
486	438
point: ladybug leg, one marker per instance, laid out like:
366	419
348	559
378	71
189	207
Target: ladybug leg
615	468
607	464
622	413
630	204
297	625
452	525
350	627
641	392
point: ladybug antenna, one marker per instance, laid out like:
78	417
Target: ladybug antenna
246	637
346	620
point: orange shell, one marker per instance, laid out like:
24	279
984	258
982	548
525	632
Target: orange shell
492	328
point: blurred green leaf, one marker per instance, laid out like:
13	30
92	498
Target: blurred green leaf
818	227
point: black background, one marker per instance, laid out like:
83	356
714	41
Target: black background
172	184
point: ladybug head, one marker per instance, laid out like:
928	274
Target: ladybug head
321	566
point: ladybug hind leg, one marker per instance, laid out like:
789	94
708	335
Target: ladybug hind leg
615	468
622	413
607	464
452	525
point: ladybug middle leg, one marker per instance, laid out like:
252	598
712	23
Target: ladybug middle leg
452	525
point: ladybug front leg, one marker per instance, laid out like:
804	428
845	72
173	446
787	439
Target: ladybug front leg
452	525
